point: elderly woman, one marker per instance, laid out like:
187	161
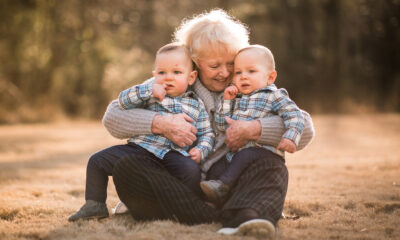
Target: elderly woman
255	204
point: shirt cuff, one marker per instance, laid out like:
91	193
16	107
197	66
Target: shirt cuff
145	91
226	106
293	135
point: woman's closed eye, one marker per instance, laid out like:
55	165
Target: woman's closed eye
214	66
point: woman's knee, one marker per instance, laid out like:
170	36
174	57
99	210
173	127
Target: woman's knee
96	160
124	164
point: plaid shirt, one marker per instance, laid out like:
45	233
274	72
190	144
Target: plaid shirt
141	96
262	103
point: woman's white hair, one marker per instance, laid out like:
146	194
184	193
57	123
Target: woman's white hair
210	32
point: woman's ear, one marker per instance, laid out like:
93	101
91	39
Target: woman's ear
192	77
271	77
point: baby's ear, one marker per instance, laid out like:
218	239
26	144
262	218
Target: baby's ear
271	77
192	77
154	73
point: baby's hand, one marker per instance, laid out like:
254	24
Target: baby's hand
230	92
159	91
287	145
195	155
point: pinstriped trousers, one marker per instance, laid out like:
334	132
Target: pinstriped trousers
150	192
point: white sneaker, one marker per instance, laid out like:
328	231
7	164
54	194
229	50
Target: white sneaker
255	227
120	208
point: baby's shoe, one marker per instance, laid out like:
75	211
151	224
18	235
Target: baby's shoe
90	210
215	190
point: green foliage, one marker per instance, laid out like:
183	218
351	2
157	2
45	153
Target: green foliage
72	57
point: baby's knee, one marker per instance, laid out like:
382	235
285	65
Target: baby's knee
191	171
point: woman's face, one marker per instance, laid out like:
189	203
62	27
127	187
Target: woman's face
215	70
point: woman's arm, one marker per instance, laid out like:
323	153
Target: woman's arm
265	131
124	124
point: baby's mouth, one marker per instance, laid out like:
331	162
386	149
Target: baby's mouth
245	85
168	86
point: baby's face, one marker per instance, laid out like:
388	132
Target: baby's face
250	71
173	70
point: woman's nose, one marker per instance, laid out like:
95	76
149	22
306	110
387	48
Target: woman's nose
224	72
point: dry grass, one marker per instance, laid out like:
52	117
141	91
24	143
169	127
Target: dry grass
346	185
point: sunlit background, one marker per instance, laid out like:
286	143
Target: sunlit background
68	59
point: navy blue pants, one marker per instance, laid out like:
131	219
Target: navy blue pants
101	165
240	161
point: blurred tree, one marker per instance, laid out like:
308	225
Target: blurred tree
72	57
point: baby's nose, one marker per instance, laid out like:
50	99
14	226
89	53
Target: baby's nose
169	77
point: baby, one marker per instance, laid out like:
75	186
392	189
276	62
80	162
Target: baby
253	96
167	94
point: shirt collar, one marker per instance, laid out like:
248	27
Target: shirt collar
269	88
189	93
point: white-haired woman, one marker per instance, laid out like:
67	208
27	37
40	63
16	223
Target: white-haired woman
255	204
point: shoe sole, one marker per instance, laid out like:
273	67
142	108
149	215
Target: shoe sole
120	209
209	193
259	228
89	218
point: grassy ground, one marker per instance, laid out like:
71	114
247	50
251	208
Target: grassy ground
346	185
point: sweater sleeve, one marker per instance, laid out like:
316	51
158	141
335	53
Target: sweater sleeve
273	128
124	124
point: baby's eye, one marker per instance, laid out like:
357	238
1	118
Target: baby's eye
252	71
177	72
161	72
238	72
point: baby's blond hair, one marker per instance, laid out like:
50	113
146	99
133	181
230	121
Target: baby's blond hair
266	53
174	46
212	31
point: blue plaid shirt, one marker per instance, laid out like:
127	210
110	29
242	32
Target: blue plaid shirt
259	104
141	96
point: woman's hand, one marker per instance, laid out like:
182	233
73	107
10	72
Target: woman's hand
176	128
239	133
